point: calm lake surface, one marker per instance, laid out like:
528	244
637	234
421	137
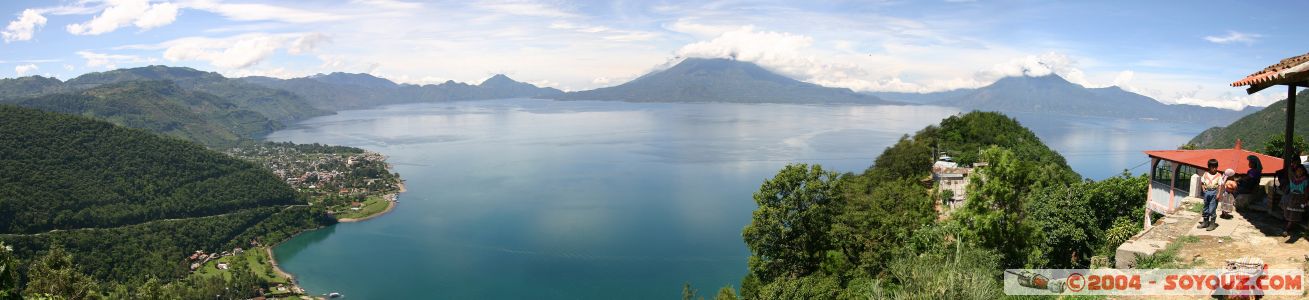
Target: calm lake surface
542	199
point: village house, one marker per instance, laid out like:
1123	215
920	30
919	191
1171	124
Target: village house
949	176
1175	174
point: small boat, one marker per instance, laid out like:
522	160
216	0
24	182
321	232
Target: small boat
334	295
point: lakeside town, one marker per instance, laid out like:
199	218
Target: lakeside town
354	184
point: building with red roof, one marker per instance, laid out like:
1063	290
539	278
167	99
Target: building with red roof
1174	174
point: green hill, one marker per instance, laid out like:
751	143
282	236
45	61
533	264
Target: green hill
162	107
886	233
129	204
276	104
1257	128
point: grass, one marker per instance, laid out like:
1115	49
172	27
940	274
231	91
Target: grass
372	205
255	258
1166	258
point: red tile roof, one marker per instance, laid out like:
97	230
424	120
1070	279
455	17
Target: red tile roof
1280	70
1233	158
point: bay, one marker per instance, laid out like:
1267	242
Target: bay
543	199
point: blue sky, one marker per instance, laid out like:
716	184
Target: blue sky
1177	52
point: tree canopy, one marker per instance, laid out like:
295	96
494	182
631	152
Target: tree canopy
880	234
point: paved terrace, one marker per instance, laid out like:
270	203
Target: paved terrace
1251	232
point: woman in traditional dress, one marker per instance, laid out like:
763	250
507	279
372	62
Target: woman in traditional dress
1294	202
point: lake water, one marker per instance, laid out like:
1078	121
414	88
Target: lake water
542	199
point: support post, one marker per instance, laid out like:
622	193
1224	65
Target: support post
1288	151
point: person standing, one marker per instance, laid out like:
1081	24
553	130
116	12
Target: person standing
1210	183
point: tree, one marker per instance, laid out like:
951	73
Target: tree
908	158
8	274
872	224
726	293
1276	143
788	235
994	212
55	275
150	290
688	292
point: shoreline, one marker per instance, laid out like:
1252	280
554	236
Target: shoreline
272	261
295	284
390	205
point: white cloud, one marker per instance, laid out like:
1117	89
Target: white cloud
793	55
524	8
241	51
23	70
307	43
282	73
544	83
121	13
109	61
698	30
158	15
22	28
601	80
262	12
340	63
1123	78
606	32
1233	37
389	4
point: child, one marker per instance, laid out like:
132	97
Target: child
1227	196
1210	183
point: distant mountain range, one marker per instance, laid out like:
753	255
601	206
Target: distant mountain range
727	80
1052	94
720	80
1258	127
341	91
209	108
217	111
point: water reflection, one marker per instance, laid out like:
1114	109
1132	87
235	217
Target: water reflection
549	199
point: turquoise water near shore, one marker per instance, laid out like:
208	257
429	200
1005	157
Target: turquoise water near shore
542	199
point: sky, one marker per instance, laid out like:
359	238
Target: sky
1184	52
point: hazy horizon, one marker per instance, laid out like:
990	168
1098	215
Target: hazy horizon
884	46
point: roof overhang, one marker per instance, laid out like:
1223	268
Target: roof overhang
1292	71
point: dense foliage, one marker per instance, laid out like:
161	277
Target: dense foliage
1275	145
162	107
1258	127
880	234
64	172
91	209
276	104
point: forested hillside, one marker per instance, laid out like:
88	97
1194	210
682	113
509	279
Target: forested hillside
1259	127
162	107
819	234
276	104
125	206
